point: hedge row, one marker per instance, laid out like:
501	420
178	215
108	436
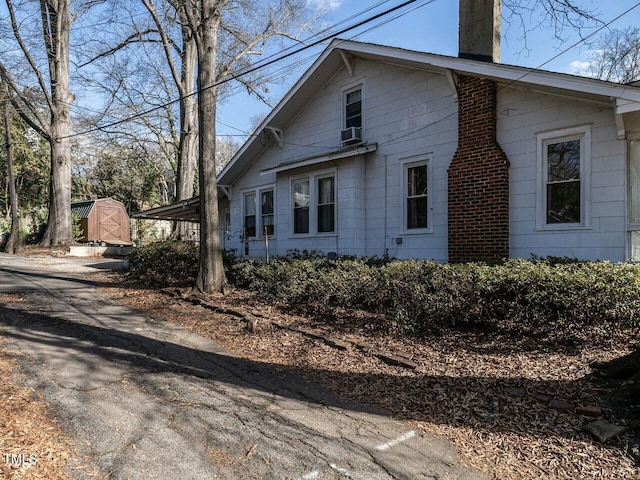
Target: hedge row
422	296
521	296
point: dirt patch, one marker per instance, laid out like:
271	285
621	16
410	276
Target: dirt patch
32	444
509	405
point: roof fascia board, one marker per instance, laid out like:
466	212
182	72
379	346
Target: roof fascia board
310	71
500	71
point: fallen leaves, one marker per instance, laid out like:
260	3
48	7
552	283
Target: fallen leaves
490	395
32	445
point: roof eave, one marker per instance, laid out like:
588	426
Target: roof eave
626	97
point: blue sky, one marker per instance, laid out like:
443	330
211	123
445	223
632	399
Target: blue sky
434	28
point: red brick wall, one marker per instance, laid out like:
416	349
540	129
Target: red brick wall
478	183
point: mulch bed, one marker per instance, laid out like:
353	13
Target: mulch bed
32	445
508	404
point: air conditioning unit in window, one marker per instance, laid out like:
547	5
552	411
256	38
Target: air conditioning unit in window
351	135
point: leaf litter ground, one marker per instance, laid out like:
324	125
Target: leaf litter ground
488	394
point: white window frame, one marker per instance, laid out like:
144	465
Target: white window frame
244	211
258	201
632	227
317	179
313	178
359	85
273	214
583	133
406	164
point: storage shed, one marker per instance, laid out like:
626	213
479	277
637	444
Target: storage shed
102	220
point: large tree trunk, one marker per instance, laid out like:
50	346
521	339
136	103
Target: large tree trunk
188	148
57	23
58	232
211	277
14	243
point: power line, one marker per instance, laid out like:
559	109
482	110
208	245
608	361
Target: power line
582	40
519	79
453	114
283	70
251	69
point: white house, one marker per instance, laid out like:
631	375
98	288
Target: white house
383	151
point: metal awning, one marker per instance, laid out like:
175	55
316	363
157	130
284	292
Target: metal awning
326	157
184	211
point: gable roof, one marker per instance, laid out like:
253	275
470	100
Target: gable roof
83	208
624	98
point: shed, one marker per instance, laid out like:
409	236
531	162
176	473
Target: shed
102	220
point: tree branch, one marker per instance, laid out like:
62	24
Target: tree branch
136	37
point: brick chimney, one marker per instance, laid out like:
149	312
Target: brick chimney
478	177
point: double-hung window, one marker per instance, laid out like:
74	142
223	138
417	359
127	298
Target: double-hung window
353	108
416	189
564	166
258	212
417	200
266	212
249	215
301	206
326	204
563	181
314	204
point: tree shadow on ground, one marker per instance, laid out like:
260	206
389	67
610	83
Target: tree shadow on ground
25	281
485	404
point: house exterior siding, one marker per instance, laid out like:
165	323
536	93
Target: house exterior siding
522	115
411	115
369	188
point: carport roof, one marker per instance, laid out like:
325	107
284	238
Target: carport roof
185	211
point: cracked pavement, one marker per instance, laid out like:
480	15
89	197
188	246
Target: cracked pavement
145	399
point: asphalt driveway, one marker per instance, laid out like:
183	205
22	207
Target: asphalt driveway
145	399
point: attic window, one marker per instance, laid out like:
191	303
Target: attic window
353	108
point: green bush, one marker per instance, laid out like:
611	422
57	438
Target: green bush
533	297
568	299
164	264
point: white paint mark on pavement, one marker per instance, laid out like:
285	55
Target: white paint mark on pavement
311	475
396	441
343	471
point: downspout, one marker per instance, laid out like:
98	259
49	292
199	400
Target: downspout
386	169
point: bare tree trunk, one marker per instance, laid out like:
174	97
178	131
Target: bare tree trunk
14	244
58	232
211	277
56	26
188	149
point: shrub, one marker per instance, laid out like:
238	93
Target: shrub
533	297
164	264
567	299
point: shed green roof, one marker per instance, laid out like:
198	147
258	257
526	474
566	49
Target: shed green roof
82	209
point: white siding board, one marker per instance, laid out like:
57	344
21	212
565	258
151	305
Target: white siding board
409	112
523	114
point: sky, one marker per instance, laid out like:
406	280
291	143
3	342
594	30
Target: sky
433	28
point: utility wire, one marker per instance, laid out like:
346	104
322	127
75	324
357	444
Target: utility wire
519	79
284	70
249	70
530	71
